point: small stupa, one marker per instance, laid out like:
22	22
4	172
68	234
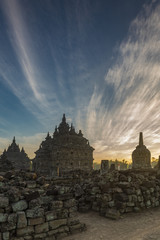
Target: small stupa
141	156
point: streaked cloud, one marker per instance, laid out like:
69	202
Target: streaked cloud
31	88
135	104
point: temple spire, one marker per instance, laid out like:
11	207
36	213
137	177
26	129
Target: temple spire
14	140
64	118
140	139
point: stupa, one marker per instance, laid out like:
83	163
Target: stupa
141	156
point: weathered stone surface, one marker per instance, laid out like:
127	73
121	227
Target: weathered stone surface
35	203
40	236
70	203
12	221
42	228
36	212
20	205
3	217
4	202
25	231
50	216
35	221
104	166
22	221
56	204
57	223
112	213
76	227
6	236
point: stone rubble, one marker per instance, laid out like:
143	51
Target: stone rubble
37	207
33	207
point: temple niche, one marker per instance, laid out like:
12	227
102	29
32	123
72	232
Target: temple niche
141	156
15	158
66	151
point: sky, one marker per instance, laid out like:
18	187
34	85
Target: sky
97	61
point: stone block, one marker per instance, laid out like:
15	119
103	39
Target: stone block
22	221
51	215
112	213
25	231
3	217
62	213
136	209
57	223
35	203
157	203
40	236
61	235
45	200
148	203
111	204
76	228
35	221
12	222
56	204
4	202
35	213
41	228
20	206
70	203
5	236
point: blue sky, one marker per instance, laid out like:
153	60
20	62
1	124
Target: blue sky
96	61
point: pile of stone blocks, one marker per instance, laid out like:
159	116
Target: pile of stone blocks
115	193
31	208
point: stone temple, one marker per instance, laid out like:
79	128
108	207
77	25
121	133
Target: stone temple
15	158
141	156
66	151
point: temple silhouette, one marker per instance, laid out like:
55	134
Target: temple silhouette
65	151
13	157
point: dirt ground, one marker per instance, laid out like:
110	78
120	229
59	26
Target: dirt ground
132	226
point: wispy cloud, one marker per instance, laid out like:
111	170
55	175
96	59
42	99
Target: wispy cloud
31	88
135	82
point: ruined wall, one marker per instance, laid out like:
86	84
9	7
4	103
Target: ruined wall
115	193
34	208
